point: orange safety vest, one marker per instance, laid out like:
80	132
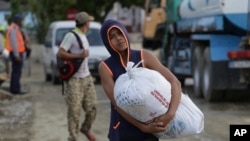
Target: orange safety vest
20	41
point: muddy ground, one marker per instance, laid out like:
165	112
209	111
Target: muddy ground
40	115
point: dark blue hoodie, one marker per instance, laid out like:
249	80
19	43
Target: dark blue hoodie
120	129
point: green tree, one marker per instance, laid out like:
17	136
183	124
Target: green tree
47	11
15	7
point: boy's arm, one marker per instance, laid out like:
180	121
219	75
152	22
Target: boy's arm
62	53
151	62
108	86
66	45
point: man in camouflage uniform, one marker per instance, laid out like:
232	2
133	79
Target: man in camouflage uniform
79	89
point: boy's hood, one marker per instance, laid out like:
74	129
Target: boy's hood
106	26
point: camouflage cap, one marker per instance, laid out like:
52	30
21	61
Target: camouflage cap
83	17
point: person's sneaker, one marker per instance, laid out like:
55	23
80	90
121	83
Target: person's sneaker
19	93
89	135
23	92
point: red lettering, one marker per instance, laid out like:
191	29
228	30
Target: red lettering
160	98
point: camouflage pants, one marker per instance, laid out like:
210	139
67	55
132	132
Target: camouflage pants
80	94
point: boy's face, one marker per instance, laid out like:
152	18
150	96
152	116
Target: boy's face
87	24
117	39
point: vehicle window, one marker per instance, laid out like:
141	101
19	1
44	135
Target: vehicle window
94	37
48	38
60	33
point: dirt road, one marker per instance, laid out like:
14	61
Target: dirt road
41	114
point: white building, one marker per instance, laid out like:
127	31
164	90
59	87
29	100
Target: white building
131	17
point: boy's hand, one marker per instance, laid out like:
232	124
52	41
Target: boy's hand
154	127
164	119
84	54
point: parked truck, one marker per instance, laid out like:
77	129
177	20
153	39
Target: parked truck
207	40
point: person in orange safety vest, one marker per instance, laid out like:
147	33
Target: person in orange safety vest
15	44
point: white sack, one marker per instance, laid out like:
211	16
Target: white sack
141	93
188	120
145	94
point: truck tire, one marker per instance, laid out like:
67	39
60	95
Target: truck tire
209	93
55	79
146	43
47	76
151	44
197	71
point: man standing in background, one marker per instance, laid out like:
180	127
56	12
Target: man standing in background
79	89
16	46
